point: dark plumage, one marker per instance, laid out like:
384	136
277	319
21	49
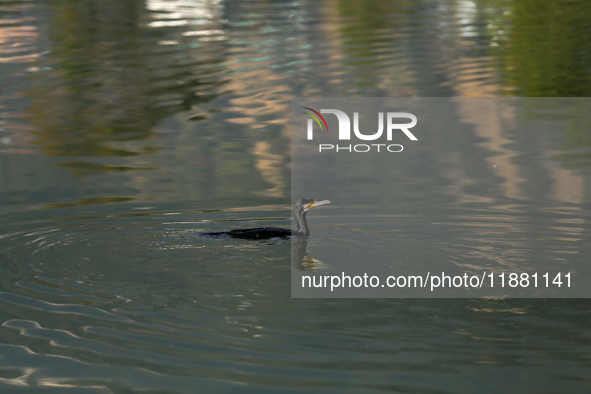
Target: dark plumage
299	212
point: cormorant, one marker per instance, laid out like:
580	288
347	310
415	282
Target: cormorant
299	212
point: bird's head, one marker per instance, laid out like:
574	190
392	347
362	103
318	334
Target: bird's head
306	204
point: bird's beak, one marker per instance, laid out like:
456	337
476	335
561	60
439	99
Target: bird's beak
317	203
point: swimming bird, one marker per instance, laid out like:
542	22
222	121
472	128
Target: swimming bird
299	212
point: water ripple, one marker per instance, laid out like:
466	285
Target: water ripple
104	290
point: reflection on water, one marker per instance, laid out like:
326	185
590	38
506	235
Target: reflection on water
544	48
128	126
112	82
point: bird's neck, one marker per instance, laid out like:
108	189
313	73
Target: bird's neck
302	224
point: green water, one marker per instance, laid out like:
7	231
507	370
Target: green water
128	126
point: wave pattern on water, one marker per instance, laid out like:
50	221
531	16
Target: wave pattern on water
109	109
152	315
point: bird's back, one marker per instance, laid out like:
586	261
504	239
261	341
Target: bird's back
253	233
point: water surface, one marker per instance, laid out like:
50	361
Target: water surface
126	127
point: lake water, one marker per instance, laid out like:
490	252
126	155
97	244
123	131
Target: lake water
127	127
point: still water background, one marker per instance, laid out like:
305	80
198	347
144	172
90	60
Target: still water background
128	126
